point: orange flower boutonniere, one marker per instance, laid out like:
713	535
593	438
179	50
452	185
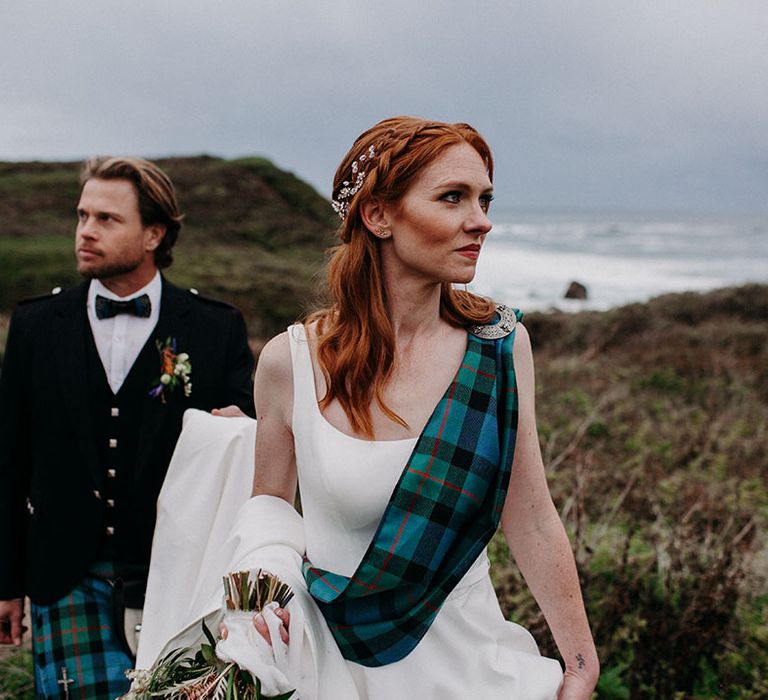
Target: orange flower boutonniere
175	369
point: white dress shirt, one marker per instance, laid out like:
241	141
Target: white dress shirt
120	339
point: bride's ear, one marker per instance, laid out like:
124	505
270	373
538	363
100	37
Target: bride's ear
375	218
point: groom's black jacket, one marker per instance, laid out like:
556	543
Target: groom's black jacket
54	480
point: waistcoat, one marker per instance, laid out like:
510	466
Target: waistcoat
116	426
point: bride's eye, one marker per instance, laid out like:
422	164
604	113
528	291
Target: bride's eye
485	201
453	197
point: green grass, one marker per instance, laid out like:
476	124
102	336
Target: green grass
33	266
653	426
653	420
655	436
253	235
16	681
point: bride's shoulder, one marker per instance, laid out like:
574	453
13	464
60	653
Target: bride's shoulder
274	363
273	384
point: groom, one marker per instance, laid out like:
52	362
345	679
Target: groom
93	386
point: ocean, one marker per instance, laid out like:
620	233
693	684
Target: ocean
530	257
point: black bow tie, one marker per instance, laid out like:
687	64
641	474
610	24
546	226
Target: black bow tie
138	306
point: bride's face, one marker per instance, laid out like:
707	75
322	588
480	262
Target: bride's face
439	225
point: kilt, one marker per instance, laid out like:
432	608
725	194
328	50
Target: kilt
76	633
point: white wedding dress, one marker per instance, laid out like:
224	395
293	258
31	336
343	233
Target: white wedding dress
469	651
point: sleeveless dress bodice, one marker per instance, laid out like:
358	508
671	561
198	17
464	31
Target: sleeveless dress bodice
345	484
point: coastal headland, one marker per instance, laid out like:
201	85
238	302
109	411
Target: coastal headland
653	421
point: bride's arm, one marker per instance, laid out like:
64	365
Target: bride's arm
275	472
539	543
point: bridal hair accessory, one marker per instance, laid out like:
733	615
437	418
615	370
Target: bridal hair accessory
348	190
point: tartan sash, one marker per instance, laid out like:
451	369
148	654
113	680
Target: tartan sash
444	510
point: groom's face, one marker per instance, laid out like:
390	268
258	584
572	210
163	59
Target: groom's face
110	239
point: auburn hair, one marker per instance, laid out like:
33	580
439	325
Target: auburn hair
355	339
155	192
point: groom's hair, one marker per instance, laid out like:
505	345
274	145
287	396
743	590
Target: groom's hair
155	192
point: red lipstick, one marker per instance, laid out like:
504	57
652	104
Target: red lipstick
471	251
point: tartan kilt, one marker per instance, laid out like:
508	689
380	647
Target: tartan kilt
76	633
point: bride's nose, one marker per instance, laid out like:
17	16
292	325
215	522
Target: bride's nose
477	221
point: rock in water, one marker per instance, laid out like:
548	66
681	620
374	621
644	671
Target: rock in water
576	290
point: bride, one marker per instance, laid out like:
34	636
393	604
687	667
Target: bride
363	399
404	412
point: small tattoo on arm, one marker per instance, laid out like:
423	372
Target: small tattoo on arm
581	661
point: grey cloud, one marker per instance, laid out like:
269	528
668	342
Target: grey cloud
595	103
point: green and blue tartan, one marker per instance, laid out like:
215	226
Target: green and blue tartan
76	633
442	513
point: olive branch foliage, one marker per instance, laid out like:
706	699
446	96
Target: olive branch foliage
203	676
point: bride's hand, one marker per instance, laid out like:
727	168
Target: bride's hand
261	626
230	411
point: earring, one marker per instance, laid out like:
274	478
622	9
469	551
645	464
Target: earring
381	232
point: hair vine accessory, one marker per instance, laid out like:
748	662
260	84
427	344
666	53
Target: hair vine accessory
348	190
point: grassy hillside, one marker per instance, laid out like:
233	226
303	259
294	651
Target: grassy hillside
254	235
653	420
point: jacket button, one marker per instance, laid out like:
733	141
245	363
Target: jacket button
114	412
110	503
111	473
113	442
110	531
97	494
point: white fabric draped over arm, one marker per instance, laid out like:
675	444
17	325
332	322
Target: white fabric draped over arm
208	526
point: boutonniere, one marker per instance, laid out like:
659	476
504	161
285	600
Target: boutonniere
175	369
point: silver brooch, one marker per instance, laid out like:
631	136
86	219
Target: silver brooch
505	325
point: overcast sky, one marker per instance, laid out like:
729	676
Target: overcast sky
649	104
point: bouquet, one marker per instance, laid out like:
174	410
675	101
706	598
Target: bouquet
202	675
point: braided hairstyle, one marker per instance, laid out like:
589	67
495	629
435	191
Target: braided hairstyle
356	342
